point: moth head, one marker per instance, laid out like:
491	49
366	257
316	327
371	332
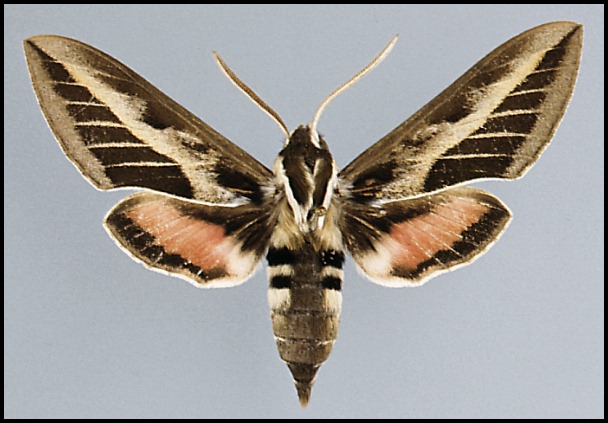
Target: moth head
304	134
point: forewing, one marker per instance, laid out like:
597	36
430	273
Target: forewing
493	122
404	243
121	131
209	246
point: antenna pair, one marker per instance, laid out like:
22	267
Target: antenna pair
313	125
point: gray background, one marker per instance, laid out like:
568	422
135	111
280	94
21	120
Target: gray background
90	333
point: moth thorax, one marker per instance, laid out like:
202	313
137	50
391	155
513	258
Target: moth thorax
308	176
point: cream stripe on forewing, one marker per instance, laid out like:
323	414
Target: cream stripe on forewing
523	86
63	124
483	101
556	101
130	110
497	135
117	145
142	164
100	123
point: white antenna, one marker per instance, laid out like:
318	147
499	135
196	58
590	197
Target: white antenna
249	93
379	58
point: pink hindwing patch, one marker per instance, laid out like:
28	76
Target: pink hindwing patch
200	242
420	238
184	238
416	239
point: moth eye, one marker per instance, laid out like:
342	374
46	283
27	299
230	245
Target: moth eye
320	211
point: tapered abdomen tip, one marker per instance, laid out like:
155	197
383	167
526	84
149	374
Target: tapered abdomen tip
304	390
304	376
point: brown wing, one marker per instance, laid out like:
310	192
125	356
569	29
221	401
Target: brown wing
121	131
493	122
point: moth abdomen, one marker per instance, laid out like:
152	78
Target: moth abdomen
305	300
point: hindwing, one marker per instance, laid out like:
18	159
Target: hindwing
404	243
209	246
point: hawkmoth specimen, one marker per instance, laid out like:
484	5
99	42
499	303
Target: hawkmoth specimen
209	211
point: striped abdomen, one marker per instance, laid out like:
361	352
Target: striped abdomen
305	301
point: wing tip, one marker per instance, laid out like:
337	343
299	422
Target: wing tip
39	41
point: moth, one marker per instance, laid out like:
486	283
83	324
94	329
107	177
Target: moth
209	211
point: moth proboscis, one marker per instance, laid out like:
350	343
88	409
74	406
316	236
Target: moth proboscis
209	211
